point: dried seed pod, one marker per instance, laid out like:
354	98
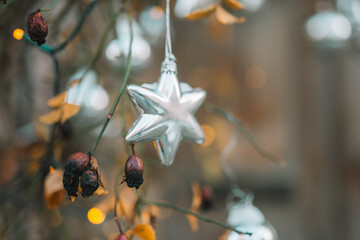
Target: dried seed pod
71	183
134	169
37	27
121	237
77	163
89	182
207	198
67	130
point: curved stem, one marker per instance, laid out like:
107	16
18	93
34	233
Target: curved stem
52	50
239	125
121	90
50	6
77	28
188	212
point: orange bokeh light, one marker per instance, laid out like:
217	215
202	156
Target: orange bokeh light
18	34
96	216
209	134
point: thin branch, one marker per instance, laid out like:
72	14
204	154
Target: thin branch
104	37
116	219
50	6
188	212
56	89
48	157
77	28
121	90
248	135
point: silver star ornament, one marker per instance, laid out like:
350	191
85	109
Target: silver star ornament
166	110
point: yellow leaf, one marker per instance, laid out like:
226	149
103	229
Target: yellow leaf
224	17
194	222
101	192
129	234
202	13
145	232
197	199
53	188
68	111
234	4
57	100
51	117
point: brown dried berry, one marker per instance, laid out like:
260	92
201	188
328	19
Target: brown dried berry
89	182
77	163
67	130
121	237
207	198
37	27
134	169
71	183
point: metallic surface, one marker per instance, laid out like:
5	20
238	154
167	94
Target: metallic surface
166	113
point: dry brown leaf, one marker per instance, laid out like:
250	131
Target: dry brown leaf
126	203
57	101
149	215
197	199
51	117
194	222
68	111
224	236
129	234
234	4
101	192
202	13
144	231
53	188
75	82
224	17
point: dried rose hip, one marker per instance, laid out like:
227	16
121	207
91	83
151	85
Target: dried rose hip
71	183
207	198
37	27
77	163
134	169
121	237
89	182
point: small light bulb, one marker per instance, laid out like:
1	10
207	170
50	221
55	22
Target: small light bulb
96	216
18	34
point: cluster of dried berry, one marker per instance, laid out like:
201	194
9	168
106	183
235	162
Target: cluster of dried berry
81	168
37	27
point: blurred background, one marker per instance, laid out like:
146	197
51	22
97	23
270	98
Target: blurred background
289	73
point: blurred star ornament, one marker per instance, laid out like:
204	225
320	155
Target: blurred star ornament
166	108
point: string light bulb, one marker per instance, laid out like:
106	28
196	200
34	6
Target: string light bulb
18	34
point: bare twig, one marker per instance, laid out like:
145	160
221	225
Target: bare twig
237	123
121	90
188	212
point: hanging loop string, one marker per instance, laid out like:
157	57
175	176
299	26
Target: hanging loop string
169	61
168	48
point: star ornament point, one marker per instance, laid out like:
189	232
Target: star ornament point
166	110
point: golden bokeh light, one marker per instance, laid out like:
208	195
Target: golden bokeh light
209	134
96	216
255	77
18	34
